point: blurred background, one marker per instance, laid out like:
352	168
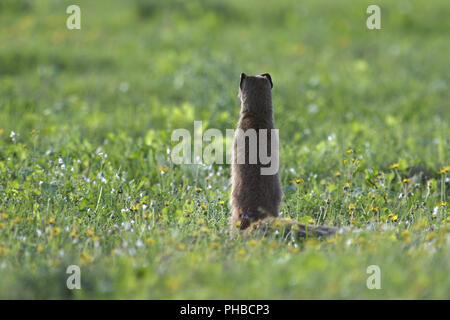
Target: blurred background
86	118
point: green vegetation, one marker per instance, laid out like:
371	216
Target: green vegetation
86	118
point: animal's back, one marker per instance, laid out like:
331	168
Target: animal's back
254	195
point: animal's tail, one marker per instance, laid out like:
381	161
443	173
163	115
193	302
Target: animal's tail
284	227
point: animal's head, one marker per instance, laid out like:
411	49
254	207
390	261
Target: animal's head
255	92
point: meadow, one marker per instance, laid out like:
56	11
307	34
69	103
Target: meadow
86	118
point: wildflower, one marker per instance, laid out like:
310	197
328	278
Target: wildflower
166	203
337	174
3	216
195	234
205	230
374	209
443	203
405	180
394	218
349	151
51	220
39	248
162	169
147	215
406	233
238	223
95	239
241	252
54	232
204	206
310	221
297	181
172	284
198	190
252	243
181	246
214	245
346	186
372	195
149	240
221	202
430	236
74	234
85	257
351	207
345	161
394	166
272	245
444	170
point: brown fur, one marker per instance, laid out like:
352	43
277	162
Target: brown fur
255	198
253	195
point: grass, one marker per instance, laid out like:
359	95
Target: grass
85	123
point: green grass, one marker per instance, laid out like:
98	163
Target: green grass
93	111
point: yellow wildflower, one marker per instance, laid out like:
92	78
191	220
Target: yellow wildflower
85	257
394	166
214	245
430	236
444	170
55	231
406	233
149	240
205	230
74	234
162	169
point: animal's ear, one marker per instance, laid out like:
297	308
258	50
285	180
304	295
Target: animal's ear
243	76
268	78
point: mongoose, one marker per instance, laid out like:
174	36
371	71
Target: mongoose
255	198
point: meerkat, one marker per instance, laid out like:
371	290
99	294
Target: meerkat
255	197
